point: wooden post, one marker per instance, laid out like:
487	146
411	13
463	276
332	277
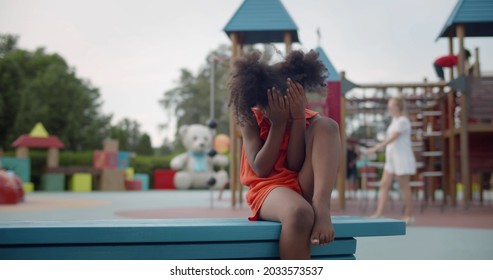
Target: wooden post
445	169
238	134
451	52
341	182
52	159
451	148
288	41
476	70
464	124
431	161
22	152
234	160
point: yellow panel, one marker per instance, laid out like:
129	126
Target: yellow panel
28	187
129	173
80	182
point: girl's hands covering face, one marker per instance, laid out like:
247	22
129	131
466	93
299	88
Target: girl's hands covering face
278	109
296	100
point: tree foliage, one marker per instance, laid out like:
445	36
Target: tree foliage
130	138
40	87
189	101
144	147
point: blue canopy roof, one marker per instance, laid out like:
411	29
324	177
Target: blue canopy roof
262	21
476	15
333	74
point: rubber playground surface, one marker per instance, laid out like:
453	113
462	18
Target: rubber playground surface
439	233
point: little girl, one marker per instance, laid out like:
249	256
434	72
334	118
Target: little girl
290	154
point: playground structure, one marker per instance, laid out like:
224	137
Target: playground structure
39	138
439	114
451	121
368	107
466	138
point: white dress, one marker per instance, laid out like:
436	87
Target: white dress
399	156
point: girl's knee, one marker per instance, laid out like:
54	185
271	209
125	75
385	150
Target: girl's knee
299	216
386	185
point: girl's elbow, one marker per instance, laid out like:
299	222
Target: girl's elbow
261	172
294	167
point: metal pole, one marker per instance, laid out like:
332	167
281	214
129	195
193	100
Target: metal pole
213	86
212	121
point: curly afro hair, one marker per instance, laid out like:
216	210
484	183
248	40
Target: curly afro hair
251	78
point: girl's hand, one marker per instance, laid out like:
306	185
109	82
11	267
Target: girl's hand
297	100
278	110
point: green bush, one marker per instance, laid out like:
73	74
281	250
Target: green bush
147	164
83	158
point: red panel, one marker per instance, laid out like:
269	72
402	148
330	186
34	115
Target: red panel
103	159
333	101
163	179
480	152
133	185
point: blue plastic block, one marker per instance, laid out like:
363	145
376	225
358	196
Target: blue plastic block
144	180
123	160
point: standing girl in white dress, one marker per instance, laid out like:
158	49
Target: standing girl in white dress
399	158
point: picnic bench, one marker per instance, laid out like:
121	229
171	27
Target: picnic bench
174	239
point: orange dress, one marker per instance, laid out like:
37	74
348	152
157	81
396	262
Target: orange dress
280	175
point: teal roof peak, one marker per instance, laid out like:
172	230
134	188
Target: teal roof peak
262	21
475	15
333	74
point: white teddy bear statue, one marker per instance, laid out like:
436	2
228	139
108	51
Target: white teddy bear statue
195	168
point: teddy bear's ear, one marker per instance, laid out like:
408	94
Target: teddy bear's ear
183	130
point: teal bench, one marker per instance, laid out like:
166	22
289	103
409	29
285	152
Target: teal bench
174	239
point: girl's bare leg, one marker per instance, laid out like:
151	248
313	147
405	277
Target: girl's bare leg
296	216
385	184
318	174
408	199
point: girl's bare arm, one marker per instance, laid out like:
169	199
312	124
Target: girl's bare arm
262	156
296	147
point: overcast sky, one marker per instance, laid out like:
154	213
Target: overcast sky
133	50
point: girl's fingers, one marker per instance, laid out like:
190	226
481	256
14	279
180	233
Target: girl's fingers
273	102
269	97
300	88
296	98
296	88
290	86
281	100
275	97
289	96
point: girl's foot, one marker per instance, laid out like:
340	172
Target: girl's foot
375	216
323	230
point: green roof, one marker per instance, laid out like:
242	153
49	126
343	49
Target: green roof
333	74
476	15
262	21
